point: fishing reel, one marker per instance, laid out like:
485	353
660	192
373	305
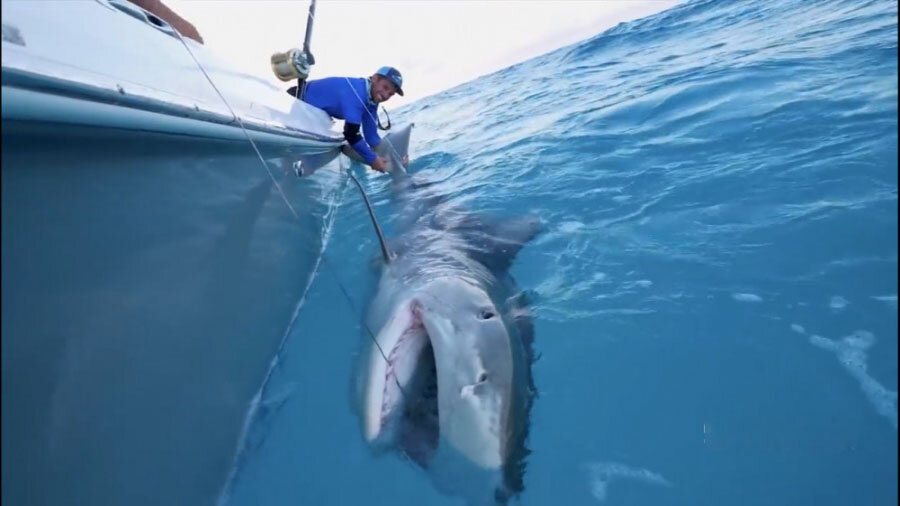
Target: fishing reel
292	64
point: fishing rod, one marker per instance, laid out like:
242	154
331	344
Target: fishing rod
295	64
309	26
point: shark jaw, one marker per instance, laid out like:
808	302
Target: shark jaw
401	392
429	385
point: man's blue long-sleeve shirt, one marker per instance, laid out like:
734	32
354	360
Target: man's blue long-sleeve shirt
347	99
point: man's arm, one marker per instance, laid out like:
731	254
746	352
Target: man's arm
355	115
354	139
370	128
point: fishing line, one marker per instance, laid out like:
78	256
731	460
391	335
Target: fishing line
291	208
374	119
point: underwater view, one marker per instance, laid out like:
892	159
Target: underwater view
713	291
670	251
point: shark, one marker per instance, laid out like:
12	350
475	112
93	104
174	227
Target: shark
445	377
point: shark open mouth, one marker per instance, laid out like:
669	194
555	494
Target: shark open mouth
409	400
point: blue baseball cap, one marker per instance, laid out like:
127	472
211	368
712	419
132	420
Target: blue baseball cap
394	76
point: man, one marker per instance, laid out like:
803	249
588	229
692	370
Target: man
355	100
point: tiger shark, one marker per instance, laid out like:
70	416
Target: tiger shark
445	378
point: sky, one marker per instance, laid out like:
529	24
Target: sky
436	44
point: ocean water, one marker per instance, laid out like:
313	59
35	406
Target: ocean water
714	291
147	284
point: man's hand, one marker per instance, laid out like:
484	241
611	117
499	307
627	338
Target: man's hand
406	161
379	164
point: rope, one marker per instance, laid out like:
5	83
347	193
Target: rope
288	204
241	123
385	252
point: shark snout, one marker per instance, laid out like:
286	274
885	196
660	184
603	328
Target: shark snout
416	308
426	308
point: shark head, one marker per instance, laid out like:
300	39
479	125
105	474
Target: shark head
473	366
448	335
447	376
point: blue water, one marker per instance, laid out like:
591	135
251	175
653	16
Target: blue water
715	288
714	291
147	284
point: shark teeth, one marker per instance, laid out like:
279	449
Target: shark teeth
401	365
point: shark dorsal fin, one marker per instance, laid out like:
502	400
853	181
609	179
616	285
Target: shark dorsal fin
395	147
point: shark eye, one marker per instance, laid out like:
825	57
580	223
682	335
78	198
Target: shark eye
486	314
482	377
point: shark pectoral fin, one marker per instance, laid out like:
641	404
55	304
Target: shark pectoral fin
523	299
497	242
